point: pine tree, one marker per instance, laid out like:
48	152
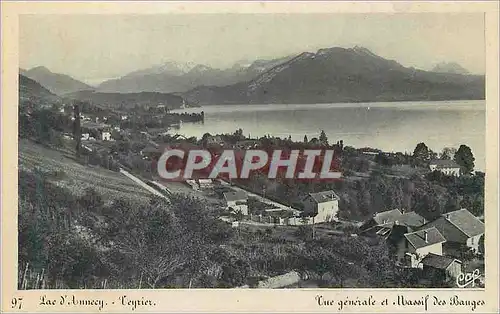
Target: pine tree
323	139
465	159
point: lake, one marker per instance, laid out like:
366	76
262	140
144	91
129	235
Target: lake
392	126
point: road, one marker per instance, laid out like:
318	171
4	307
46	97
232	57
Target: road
141	183
259	198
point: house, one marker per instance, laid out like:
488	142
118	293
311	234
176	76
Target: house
193	184
382	223
324	206
412	220
97	130
410	248
205	183
67	136
237	201
440	266
448	167
460	228
215	140
106	135
248	144
382	219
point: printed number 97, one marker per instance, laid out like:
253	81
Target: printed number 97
17	302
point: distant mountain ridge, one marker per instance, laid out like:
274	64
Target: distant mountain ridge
341	75
450	67
128	100
55	82
175	77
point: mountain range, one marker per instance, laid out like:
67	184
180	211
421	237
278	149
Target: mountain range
450	67
175	77
341	75
326	76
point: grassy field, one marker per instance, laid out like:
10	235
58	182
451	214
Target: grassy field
77	177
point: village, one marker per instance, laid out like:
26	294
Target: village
432	246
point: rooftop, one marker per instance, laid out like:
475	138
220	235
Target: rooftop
389	216
235	196
466	222
411	219
443	163
325	196
418	238
438	261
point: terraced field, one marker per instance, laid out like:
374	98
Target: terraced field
77	177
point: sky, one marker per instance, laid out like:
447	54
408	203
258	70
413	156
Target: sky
98	47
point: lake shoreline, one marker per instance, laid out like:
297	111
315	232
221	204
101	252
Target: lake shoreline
335	104
392	127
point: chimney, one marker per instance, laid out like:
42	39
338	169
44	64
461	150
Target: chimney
396	223
425	236
447	216
403	210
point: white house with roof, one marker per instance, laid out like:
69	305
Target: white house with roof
410	248
448	167
205	183
106	135
460	227
215	140
237	201
324	206
96	130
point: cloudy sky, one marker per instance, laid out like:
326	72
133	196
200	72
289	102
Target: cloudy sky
97	47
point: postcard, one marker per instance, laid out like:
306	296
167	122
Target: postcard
249	157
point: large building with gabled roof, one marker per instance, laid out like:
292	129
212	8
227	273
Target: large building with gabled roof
460	227
323	206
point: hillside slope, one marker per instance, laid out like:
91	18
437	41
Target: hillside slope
32	91
57	83
128	100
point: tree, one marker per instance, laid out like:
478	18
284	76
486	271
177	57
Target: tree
204	139
448	153
465	159
55	138
77	132
421	152
323	139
